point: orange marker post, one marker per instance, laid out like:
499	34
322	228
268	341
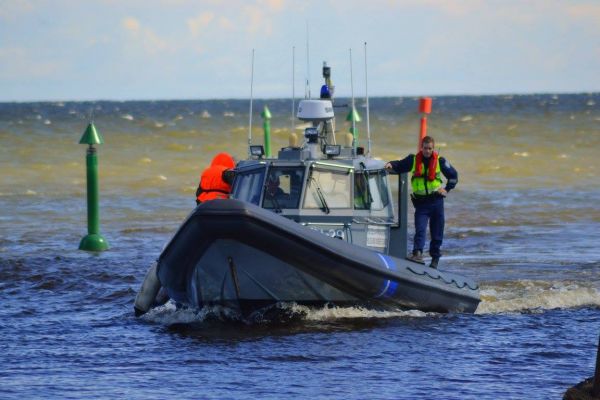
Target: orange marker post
424	109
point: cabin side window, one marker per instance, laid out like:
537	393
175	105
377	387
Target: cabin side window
328	189
370	190
248	185
379	190
362	194
283	187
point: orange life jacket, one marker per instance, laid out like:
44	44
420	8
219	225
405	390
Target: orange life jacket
431	170
211	184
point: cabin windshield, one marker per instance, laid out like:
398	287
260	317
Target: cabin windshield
283	187
328	189
373	196
248	185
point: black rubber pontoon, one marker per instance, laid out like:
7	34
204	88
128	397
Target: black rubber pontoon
236	254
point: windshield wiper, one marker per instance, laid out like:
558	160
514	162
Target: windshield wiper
365	174
271	197
325	207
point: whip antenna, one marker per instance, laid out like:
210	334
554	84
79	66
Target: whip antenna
367	97
307	66
352	111
250	122
293	87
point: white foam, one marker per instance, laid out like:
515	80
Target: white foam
528	295
335	313
168	314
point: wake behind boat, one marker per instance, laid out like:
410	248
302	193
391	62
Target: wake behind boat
314	225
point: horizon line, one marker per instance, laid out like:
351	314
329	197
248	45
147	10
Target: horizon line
98	100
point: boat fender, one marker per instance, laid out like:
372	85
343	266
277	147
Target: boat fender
147	294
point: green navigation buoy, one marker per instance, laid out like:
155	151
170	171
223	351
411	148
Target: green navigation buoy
93	241
266	114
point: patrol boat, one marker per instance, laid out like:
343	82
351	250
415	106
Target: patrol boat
315	225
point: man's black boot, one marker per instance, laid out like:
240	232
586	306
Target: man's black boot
434	262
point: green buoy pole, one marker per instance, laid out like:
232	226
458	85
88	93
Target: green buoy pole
353	117
266	114
93	241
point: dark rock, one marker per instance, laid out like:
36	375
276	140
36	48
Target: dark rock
581	391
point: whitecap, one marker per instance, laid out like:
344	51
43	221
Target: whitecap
466	118
527	295
336	313
128	117
169	314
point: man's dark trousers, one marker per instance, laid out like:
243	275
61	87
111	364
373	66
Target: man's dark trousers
432	210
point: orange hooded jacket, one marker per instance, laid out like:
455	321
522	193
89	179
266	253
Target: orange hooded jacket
211	184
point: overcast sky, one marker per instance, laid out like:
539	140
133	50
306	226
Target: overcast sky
201	49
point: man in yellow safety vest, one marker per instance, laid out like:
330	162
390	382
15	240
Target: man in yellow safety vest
428	193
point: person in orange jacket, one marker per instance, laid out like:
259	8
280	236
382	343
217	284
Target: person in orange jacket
215	181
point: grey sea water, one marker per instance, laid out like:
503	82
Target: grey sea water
524	221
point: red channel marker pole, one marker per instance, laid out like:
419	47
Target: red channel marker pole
424	109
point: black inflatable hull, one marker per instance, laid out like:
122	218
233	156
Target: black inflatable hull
238	255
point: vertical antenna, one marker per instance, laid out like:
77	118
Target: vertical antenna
250	122
307	64
293	88
367	96
352	110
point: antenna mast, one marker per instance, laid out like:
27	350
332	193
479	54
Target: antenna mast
293	88
354	141
307	65
367	97
250	122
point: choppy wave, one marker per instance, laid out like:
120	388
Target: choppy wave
530	295
522	296
170	314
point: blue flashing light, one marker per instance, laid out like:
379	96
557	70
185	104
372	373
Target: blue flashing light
325	93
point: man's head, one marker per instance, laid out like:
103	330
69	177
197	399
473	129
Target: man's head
427	146
272	185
